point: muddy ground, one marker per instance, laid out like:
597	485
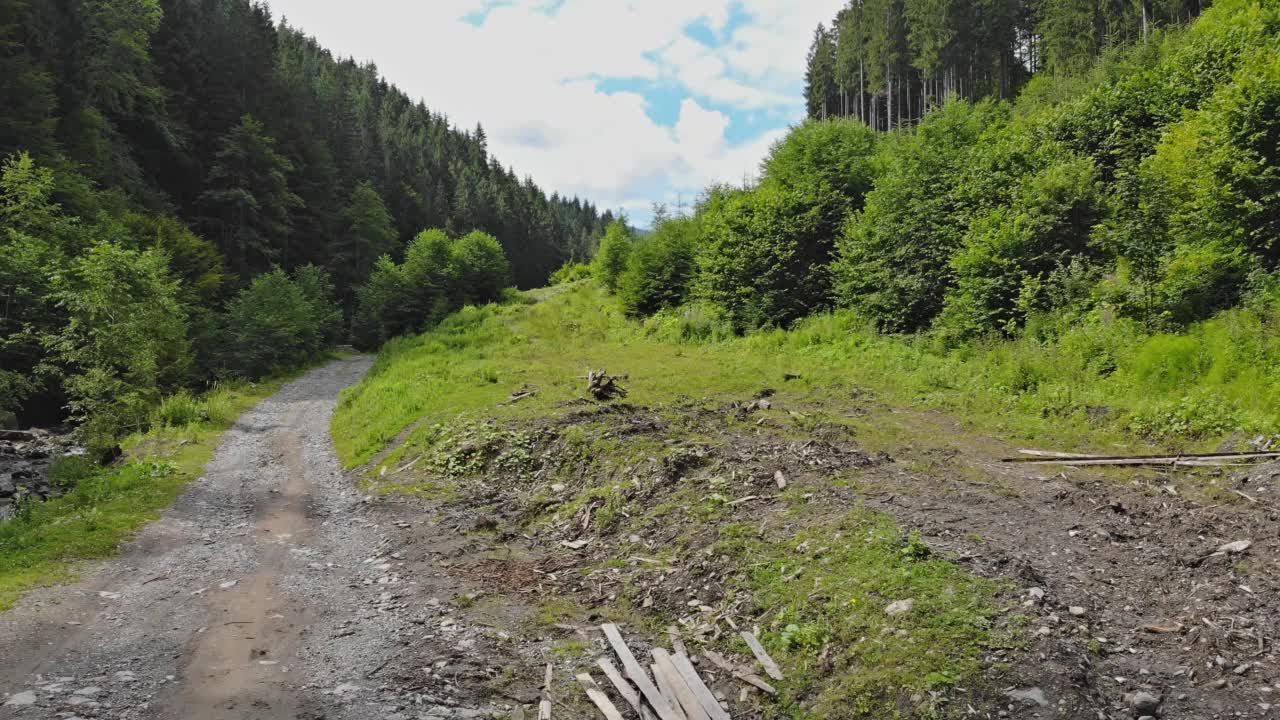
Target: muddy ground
276	589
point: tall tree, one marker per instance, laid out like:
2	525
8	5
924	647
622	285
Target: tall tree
370	234
247	198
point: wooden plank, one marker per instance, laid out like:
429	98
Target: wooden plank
1140	459
620	683
689	701
708	699
668	692
677	643
749	678
770	667
636	672
544	706
598	697
1055	454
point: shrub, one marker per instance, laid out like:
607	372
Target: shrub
611	260
661	269
269	325
571	272
479	269
763	260
178	410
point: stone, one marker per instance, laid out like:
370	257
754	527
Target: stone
1143	703
1235	548
89	691
1029	696
900	607
1076	610
21	699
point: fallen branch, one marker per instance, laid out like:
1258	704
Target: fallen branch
770	667
1190	460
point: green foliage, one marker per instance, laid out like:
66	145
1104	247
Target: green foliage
763	259
371	234
611	259
438	275
571	272
125	340
478	268
660	271
272	324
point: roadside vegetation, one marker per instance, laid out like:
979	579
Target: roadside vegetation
102	507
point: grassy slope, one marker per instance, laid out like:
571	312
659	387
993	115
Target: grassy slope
440	396
107	506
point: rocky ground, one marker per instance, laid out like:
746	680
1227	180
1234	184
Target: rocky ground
25	457
275	589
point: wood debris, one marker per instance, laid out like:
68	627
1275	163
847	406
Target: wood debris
603	386
519	395
544	706
770	667
1048	457
708	700
598	697
745	676
637	673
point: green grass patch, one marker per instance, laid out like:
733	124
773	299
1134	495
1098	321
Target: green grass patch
106	506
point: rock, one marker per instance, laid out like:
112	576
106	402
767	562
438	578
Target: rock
900	607
1235	548
1143	703
1036	593
1076	610
89	691
346	689
21	699
557	488
228	584
1030	695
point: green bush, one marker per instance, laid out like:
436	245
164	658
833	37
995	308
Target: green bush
1192	417
179	410
270	325
660	270
611	260
763	259
479	269
571	272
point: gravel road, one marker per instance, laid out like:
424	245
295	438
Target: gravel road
262	593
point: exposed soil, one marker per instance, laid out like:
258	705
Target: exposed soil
274	589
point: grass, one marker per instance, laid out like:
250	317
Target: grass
439	400
106	506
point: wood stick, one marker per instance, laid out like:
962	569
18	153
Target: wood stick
637	674
598	697
708	699
677	643
668	692
620	683
749	678
684	694
1140	459
544	707
770	667
1055	454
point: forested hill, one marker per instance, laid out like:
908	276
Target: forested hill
255	136
887	62
191	191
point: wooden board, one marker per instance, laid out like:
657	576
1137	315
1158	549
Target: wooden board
620	683
749	678
598	697
668	692
770	667
708	699
636	672
688	699
544	706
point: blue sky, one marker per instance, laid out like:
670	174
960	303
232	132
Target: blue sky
621	102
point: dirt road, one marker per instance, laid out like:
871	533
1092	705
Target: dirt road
269	590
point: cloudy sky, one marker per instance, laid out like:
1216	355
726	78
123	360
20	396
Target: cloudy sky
623	102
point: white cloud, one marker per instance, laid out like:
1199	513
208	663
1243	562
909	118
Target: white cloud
530	75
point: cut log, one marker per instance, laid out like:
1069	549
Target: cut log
708	699
747	677
598	697
636	672
770	667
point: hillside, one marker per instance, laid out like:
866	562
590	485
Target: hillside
802	482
